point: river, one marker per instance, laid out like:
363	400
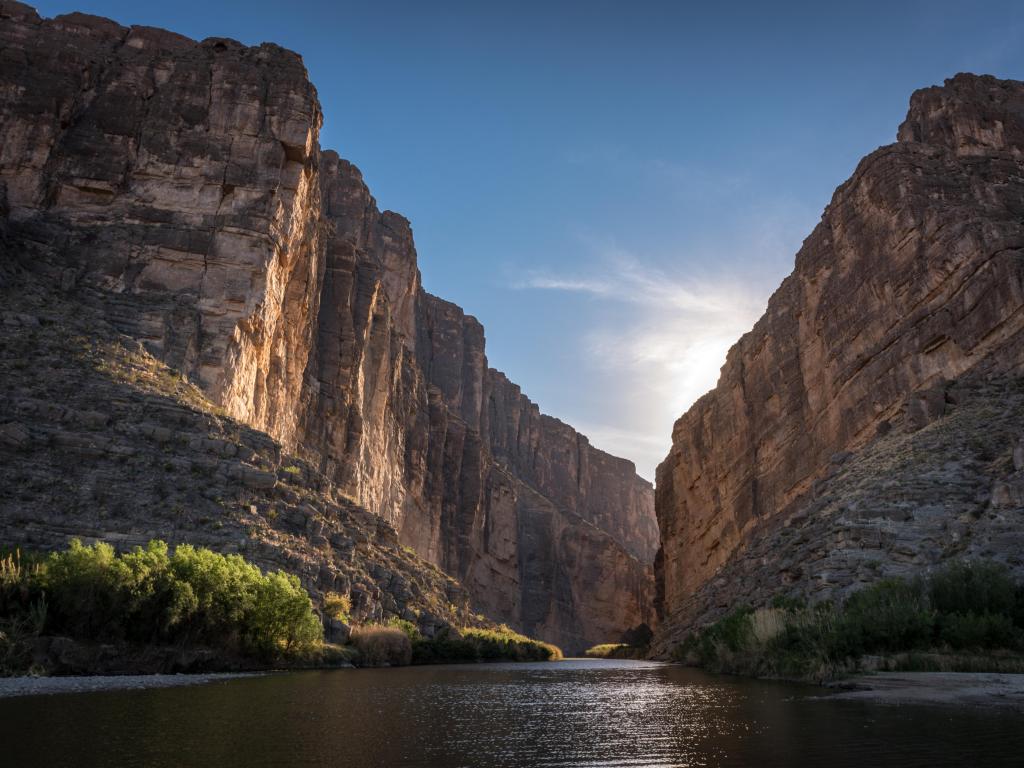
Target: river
567	713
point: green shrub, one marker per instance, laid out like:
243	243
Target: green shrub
194	596
505	643
411	630
890	615
976	607
712	646
607	651
616	651
282	616
85	589
338	606
444	648
734	630
974	587
971	631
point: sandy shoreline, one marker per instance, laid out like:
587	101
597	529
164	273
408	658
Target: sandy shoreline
42	686
949	688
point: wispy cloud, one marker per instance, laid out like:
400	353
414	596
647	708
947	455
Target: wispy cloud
623	277
661	337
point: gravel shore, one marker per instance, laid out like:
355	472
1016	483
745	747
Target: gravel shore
41	686
957	688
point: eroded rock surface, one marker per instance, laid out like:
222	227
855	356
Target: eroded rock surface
178	190
913	279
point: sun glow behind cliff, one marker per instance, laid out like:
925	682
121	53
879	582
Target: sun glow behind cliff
666	354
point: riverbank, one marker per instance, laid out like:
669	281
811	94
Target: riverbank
967	617
43	686
90	610
947	688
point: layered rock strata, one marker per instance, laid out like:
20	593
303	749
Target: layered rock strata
179	189
913	278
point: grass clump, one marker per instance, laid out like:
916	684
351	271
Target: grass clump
193	597
967	615
380	645
22	615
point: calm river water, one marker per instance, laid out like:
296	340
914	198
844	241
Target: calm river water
569	713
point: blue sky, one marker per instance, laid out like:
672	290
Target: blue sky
613	189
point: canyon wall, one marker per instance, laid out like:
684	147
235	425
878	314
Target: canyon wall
907	294
178	188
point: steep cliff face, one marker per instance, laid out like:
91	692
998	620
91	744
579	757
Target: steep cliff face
179	179
913	277
178	188
537	522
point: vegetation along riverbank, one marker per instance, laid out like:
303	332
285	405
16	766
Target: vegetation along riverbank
90	610
967	617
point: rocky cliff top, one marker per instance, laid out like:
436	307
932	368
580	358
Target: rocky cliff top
969	114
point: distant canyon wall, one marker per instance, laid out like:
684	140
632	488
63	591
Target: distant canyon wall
181	186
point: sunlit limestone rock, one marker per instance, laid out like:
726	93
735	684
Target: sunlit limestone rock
179	189
914	278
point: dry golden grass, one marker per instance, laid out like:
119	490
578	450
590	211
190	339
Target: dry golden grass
767	624
379	645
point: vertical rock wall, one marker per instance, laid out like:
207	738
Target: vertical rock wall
180	186
914	276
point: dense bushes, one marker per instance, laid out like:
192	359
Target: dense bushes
196	597
503	644
892	615
400	642
614	651
191	597
966	608
471	644
635	644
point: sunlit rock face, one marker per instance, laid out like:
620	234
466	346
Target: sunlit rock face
914	277
181	179
181	187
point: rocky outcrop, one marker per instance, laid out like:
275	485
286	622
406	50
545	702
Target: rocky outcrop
913	278
178	189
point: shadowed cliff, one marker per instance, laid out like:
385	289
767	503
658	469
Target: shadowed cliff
898	336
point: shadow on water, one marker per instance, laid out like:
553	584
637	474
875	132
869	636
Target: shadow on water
571	713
